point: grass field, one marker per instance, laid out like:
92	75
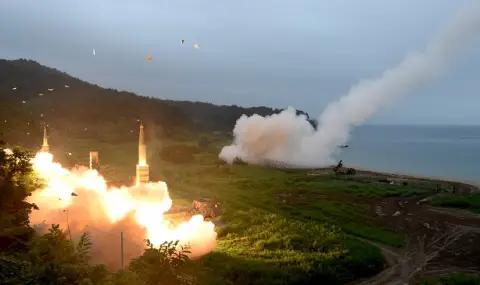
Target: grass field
454	279
468	202
280	227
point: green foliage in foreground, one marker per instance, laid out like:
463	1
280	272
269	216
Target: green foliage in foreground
53	259
259	248
469	202
16	182
454	279
278	226
30	258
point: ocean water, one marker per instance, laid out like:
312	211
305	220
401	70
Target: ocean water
443	151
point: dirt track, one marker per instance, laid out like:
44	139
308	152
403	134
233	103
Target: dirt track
439	241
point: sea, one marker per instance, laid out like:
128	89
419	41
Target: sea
451	152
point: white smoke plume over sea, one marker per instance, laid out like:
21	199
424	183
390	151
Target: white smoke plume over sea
290	139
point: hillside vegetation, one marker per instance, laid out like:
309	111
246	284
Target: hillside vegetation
277	226
79	109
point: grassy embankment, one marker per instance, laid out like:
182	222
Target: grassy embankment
454	279
280	227
469	202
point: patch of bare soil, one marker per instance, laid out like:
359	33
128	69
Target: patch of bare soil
438	242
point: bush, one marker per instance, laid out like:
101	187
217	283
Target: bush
29	258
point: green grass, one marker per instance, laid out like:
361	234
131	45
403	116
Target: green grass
281	227
469	202
454	279
259	248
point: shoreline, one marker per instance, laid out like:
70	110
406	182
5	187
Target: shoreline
473	183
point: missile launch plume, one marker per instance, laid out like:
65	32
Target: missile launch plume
290	139
80	200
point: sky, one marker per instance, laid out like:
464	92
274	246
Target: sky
277	53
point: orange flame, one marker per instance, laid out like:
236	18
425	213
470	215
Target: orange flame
147	203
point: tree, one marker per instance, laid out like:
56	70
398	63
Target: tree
16	183
163	265
30	258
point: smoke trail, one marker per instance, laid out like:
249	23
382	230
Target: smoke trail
289	138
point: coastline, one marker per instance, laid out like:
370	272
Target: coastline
364	170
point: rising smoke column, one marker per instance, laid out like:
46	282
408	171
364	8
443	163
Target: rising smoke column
288	138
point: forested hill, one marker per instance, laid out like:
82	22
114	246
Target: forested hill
31	93
221	117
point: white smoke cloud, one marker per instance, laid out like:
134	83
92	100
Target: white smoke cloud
288	138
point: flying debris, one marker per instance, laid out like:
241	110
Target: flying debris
66	86
51	89
149	58
93	51
14	88
196	46
40	94
24	102
74	194
182	41
343	146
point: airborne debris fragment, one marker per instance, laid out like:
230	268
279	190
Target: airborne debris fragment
182	42
93	51
424	200
149	58
40	94
14	88
24	102
196	46
50	89
66	86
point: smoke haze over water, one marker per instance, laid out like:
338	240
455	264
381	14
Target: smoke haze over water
290	139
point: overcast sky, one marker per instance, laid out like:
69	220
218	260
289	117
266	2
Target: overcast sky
279	53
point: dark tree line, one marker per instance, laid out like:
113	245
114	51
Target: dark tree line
77	108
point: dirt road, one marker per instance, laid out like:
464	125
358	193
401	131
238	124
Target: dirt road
439	241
